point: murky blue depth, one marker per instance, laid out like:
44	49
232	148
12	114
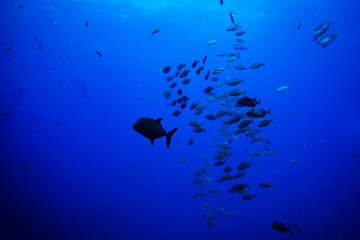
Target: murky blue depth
76	75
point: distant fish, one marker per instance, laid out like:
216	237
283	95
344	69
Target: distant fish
221	2
98	53
299	26
86	24
204	60
152	129
155	31
282	89
232	19
40	47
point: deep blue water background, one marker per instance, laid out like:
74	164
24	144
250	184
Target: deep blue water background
94	177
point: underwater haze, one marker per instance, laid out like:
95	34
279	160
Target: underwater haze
264	96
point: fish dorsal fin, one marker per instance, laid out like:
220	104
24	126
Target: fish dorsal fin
159	120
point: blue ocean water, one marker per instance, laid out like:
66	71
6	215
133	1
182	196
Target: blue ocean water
72	166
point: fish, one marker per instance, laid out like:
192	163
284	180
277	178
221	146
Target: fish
220	54
208	89
210	117
282	89
155	31
248	196
221	2
235	81
298	229
240	67
40	48
244	123
86	24
280	227
232	19
179	91
264	123
240	33
180	66
184	73
219	70
166	69
190	141
266	185
256	65
193	65
176	113
152	129
186	81
298	28
204	60
213	42
183	105
207	75
199	70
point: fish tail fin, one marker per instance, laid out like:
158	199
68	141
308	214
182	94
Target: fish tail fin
289	230
168	136
259	101
269	111
263	64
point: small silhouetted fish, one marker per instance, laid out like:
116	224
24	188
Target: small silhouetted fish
98	53
155	31
244	123
183	105
173	84
193	106
173	103
166	69
21	6
243	166
199	129
86	24
266	185
298	229
193	65
299	26
207	75
228	169
191	141
176	113
204	60
186	81
58	124
180	66
40	47
219	163
239	175
152	129
184	73
208	89
248	196
179	91
256	65
210	117
221	2
177	73
169	78
264	123
232	19
194	124
199	70
280	227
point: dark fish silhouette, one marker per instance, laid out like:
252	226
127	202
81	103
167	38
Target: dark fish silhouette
299	26
152	129
221	2
232	18
99	53
86	24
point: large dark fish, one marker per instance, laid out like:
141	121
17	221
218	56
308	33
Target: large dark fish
232	19
152	129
